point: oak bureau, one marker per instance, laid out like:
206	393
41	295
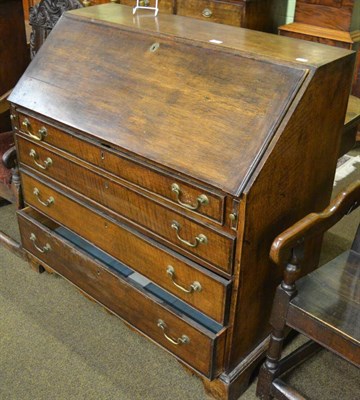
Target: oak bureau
159	159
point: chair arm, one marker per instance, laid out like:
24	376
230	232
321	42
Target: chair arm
315	223
9	158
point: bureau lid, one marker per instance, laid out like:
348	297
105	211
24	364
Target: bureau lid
202	110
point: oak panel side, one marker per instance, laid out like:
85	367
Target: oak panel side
297	178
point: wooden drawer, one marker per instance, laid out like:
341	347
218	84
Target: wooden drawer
215	11
133	249
217	247
207	203
203	349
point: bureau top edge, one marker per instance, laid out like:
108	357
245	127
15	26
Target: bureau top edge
299	53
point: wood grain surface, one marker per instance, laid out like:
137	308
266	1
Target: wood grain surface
327	305
331	14
207	103
124	299
129	170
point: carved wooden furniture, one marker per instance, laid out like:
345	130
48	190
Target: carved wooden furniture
27	4
324	305
43	17
175	153
332	22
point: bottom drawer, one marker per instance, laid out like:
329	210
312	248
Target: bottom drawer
197	340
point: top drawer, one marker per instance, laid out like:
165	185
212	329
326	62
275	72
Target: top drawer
185	196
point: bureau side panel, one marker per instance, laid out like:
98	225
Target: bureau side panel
295	178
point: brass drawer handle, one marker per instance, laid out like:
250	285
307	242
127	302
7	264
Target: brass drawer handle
47	163
194	287
45	203
201	200
207	13
42	132
201	238
44	249
182	340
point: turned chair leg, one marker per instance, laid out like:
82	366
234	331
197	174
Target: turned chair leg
269	371
16	187
9	160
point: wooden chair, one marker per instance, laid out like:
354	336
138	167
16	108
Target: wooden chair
323	305
9	176
10	188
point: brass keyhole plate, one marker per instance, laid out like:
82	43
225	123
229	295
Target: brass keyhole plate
154	47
